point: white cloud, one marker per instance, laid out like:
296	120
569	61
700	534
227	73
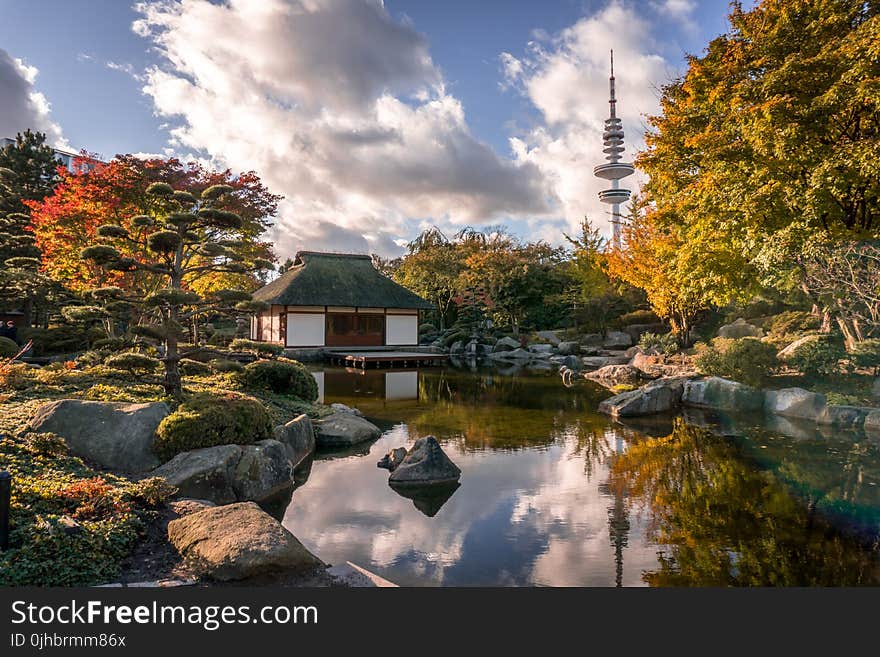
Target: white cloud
339	108
678	10
566	78
22	107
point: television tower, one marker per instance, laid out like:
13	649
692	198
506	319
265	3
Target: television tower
615	170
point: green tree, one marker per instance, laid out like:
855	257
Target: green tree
593	295
431	269
188	237
776	127
27	173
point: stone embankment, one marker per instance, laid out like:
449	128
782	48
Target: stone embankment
668	394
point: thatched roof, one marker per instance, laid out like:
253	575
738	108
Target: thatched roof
337	279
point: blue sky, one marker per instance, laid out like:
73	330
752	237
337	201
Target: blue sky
474	112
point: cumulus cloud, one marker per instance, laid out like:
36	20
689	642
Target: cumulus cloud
565	76
338	107
22	107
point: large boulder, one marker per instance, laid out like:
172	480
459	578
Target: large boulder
617	340
875	389
722	394
612	375
425	464
795	402
506	344
205	474
844	417
542	349
264	471
573	363
114	435
569	348
343	429
740	329
592	339
238	541
298	438
549	336
660	396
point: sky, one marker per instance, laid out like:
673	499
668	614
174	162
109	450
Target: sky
373	120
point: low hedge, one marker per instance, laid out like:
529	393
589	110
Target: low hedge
282	376
207	420
259	348
8	347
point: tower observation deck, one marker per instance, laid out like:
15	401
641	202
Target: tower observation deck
615	170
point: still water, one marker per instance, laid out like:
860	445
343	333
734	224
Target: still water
554	494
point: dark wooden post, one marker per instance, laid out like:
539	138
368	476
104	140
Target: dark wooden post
5	497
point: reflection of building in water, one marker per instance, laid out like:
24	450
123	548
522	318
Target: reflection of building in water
341	385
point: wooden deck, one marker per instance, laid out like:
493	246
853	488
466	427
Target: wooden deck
365	359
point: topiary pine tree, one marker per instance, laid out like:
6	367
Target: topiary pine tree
185	239
28	172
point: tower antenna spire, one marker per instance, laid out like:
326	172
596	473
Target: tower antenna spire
615	170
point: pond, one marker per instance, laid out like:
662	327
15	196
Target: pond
554	494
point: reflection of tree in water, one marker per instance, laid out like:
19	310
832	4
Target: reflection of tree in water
488	410
725	522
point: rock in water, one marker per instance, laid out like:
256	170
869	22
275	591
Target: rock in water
264	471
205	474
425	464
343	429
722	394
392	459
795	402
298	436
238	541
113	435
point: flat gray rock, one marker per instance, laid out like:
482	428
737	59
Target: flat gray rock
343	429
114	435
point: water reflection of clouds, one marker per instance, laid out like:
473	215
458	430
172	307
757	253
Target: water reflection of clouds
529	517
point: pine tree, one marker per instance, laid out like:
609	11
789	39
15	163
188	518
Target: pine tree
28	172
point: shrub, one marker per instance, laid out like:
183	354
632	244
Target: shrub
206	420
62	339
52	374
792	321
132	362
666	344
221	365
638	317
14	377
818	357
194	368
454	337
45	444
427	327
93	499
867	354
259	348
152	492
91	358
747	360
283	376
110	344
8	347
